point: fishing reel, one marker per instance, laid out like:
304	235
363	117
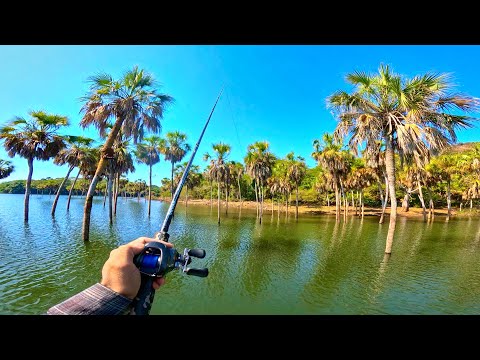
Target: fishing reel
157	259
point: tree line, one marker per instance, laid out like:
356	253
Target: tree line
393	140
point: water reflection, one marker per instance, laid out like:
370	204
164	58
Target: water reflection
313	266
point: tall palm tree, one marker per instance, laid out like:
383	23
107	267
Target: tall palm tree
6	168
259	162
175	149
221	151
36	138
148	153
134	105
71	155
412	116
296	172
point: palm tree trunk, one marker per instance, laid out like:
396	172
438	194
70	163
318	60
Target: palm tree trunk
380	191
273	201
390	166
54	206
171	182
353	203
405	202
27	188
449	201
384	206
260	192
117	191
296	202
471	204
328	200
337	202
186	195
218	201
110	197
361	201
431	214
256	195
226	198
71	189
239	191
345	209
105	196
420	197
150	190
87	209
211	193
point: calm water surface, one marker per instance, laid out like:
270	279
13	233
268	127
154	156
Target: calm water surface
313	266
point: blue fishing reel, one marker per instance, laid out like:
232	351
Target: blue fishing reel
156	260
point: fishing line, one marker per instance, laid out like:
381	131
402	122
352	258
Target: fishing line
233	119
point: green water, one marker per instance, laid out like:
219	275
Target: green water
313	266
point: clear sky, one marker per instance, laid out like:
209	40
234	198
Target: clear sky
274	93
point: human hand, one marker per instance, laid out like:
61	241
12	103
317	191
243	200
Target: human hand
120	274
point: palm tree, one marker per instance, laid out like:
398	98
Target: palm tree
209	171
259	162
336	161
220	169
87	164
193	178
443	168
71	155
139	187
134	105
148	153
122	165
410	115
6	168
296	172
374	156
237	170
36	138
175	149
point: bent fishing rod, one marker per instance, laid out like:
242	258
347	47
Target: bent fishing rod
156	260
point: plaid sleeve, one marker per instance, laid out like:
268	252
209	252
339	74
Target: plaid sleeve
95	300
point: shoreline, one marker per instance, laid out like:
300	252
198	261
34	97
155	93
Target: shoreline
414	212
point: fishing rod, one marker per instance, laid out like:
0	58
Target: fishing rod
156	260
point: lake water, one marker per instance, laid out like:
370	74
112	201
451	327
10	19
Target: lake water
313	266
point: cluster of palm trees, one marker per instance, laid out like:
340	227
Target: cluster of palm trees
414	118
399	126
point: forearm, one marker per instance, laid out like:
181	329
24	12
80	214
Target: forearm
96	300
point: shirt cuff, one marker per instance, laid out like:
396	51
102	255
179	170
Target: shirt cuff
95	300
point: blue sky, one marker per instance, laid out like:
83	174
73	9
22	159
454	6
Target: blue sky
274	93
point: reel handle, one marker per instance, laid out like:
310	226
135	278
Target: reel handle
198	253
203	272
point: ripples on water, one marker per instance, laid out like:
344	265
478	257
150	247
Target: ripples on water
313	266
